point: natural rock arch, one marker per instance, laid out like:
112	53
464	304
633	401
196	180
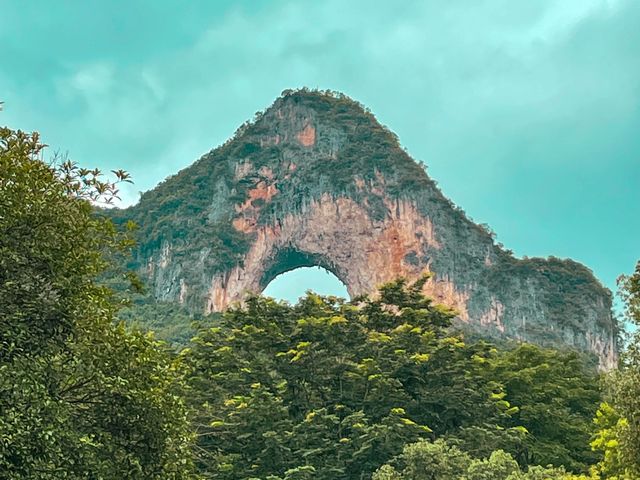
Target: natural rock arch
289	259
316	180
339	235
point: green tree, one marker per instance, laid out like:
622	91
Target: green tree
80	396
500	465
440	460
557	396
622	430
607	441
427	460
337	386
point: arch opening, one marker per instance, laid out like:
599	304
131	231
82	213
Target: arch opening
293	284
292	272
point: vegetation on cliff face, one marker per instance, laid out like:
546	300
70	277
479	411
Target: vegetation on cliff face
169	322
565	284
367	147
181	209
178	212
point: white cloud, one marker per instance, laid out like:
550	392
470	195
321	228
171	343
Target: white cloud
89	81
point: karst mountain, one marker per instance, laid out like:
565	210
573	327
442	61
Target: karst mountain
316	180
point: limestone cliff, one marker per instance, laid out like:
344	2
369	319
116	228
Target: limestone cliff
316	180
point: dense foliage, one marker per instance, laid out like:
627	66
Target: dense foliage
169	322
441	461
339	388
332	386
619	435
557	399
80	396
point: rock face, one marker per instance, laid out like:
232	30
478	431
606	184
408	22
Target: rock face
316	180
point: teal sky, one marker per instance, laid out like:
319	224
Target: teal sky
527	113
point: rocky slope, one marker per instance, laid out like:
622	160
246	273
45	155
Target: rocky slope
316	180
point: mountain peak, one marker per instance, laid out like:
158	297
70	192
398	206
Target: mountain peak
298	114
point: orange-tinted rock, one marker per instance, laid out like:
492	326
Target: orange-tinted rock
307	136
